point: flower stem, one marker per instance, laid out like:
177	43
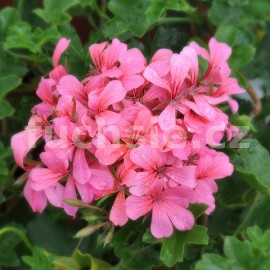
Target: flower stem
242	225
20	234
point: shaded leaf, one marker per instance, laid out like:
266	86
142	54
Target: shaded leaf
128	14
253	164
227	34
5	109
172	250
55	11
39	260
241	56
8	83
157	8
213	262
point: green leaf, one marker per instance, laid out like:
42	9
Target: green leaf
80	261
55	11
130	249
255	216
238	2
8	16
114	28
213	262
173	248
8	242
227	34
8	83
83	260
243	121
241	56
85	3
229	14
149	238
234	192
97	264
259	8
6	109
15	66
22	36
157	8
198	209
129	16
253	164
66	263
39	260
170	38
238	251
56	237
240	255
3	168
259	240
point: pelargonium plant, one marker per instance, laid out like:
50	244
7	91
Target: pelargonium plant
141	132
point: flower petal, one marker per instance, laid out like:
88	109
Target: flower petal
36	199
167	119
118	214
101	179
138	206
43	178
113	92
61	46
161	225
81	170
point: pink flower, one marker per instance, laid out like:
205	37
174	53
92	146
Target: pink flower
204	194
131	130
115	61
169	208
70	85
118	214
168	89
59	71
24	141
213	165
36	199
100	100
55	170
218	69
159	168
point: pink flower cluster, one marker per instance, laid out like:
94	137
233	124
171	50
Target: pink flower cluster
140	131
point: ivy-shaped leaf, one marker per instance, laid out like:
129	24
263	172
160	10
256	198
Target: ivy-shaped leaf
227	34
241	56
8	83
242	255
6	109
172	250
39	260
8	257
242	120
14	67
22	36
8	16
157	8
55	11
129	16
131	251
253	164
